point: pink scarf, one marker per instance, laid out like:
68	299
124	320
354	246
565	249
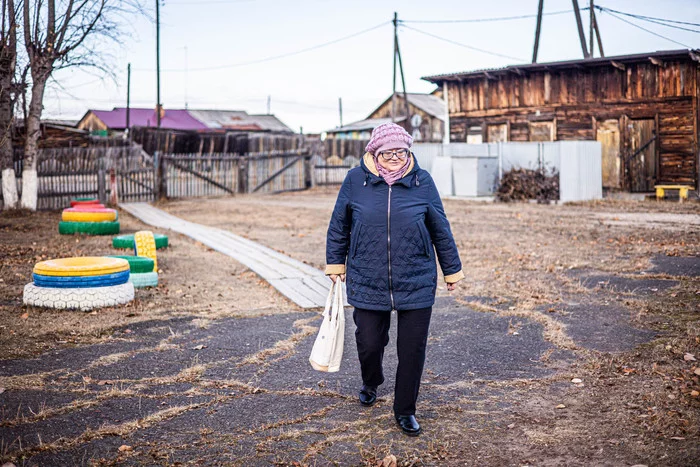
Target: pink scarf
391	177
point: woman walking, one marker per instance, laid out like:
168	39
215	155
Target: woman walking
387	224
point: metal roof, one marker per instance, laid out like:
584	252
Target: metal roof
172	119
367	124
428	103
239	120
580	63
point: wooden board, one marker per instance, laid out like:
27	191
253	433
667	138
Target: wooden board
608	134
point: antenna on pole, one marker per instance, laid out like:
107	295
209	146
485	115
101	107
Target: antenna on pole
269	102
187	72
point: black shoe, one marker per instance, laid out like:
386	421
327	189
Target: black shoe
368	395
408	424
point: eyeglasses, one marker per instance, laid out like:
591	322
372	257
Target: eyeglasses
401	154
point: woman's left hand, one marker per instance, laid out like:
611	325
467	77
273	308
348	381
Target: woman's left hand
451	286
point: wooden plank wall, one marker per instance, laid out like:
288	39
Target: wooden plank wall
575	99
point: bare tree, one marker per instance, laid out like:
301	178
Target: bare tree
8	63
60	34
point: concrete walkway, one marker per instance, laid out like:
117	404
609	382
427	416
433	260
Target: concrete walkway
304	285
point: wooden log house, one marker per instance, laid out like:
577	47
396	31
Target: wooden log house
643	108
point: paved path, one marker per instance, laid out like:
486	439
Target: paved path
304	285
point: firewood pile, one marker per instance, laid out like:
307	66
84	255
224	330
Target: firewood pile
526	184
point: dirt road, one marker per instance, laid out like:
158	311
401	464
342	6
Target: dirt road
573	341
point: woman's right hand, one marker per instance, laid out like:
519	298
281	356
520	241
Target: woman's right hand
334	277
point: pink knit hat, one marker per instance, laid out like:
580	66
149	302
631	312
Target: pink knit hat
388	136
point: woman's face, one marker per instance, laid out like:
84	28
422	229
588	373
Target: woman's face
392	159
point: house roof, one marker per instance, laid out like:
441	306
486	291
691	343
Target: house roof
173	119
428	103
618	61
367	124
192	120
239	120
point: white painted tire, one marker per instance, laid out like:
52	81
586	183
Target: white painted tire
78	298
144	279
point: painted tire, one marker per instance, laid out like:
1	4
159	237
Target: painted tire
78	298
78	282
88	215
145	245
88	207
84	201
144	279
81	266
137	264
127	241
88	228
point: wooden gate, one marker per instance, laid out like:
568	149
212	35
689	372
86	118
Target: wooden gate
641	158
608	134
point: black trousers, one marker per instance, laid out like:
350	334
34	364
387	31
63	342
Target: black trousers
372	335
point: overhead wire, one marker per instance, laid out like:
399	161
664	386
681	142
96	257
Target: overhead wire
488	20
633	15
273	57
647	30
466	46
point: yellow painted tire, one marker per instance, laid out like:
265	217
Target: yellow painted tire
145	245
81	266
88	216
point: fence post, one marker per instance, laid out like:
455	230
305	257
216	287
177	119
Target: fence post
101	175
243	175
308	172
113	195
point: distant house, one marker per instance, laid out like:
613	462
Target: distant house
426	119
643	109
194	131
181	119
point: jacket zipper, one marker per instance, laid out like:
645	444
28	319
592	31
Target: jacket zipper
388	234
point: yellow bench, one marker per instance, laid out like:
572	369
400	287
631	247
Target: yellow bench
682	191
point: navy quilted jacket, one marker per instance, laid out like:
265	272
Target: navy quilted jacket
383	238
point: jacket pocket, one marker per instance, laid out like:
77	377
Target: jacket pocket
354	239
425	236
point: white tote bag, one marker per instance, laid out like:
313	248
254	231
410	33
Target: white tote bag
328	348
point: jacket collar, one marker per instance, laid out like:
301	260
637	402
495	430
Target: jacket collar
370	168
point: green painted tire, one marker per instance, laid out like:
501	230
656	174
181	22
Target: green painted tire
126	242
88	228
144	279
137	264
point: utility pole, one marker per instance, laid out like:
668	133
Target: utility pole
158	105
128	100
538	29
581	34
591	31
187	73
396	46
269	101
597	32
397	55
340	110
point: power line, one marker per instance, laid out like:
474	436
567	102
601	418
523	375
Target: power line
646	17
276	57
477	49
647	30
487	20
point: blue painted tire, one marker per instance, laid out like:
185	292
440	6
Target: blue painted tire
144	279
79	282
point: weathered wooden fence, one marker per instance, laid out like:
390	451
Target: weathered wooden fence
130	174
67	173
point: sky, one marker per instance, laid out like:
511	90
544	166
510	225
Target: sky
220	54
